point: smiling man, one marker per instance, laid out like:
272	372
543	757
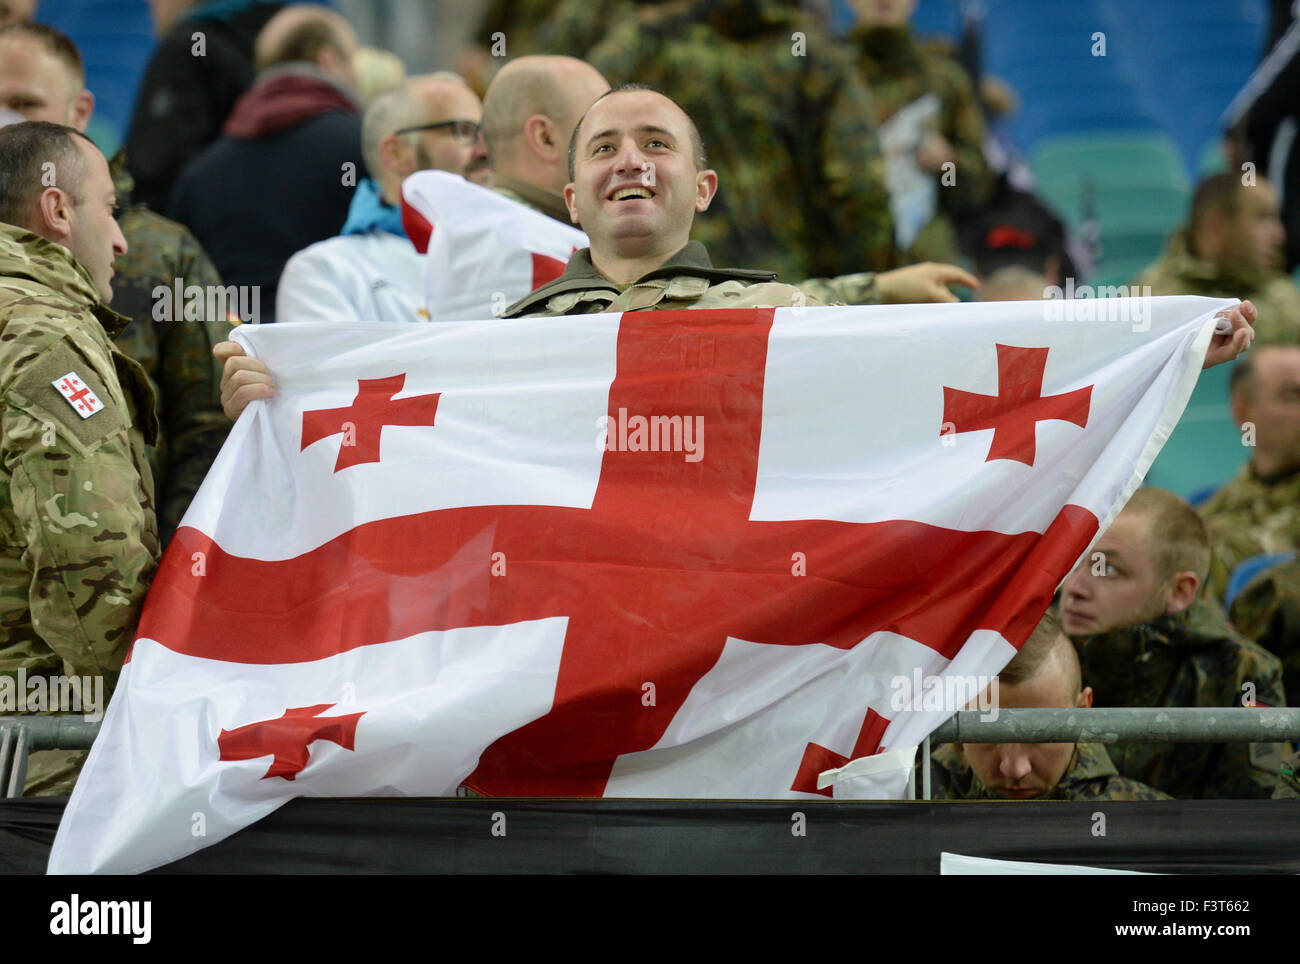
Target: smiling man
1044	674
1146	639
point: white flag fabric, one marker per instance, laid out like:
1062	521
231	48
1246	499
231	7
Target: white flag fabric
665	554
485	251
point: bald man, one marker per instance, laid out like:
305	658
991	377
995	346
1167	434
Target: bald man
371	271
529	114
283	173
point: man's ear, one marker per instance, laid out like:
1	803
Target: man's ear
1085	698
1241	407
394	155
83	106
706	185
55	214
1182	592
570	201
539	134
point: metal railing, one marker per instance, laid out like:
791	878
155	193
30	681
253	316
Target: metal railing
21	735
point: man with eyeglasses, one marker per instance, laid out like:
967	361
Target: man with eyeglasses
284	171
371	271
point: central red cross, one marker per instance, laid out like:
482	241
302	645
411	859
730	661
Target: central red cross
78	394
287	738
1018	407
653	578
362	423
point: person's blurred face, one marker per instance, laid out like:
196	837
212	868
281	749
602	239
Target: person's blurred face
1122	587
883	13
16	11
1272	404
95	238
635	187
1021	771
35	84
447	148
1255	236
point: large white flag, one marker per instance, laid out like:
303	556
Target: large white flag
671	554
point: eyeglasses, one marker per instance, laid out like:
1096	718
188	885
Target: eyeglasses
462	131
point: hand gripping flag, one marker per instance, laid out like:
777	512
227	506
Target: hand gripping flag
667	554
485	251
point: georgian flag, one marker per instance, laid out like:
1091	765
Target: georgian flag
485	251
664	554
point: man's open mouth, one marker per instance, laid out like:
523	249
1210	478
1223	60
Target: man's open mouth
629	193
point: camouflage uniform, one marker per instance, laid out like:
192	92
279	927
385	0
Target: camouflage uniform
1268	611
686	280
1179	272
78	540
1288	781
571	27
176	355
786	120
1248	516
1090	776
1193	658
899	70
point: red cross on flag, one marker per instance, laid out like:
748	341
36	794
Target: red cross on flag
485	251
667	554
83	401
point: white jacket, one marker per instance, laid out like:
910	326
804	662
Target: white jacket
375	276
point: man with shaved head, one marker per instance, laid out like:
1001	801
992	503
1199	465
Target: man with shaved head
283	173
1147	638
1044	674
372	272
529	114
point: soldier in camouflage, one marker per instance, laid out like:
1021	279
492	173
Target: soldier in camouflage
1288	781
1232	248
802	179
175	348
1267	610
899	71
1146	639
1045	673
78	531
1258	511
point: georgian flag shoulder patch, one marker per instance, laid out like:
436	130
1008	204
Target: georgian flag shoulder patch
83	401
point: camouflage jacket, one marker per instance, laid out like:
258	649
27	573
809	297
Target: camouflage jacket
1090	776
786	121
898	71
1249	516
1268	611
175	350
78	539
1193	658
686	280
1288	781
1179	272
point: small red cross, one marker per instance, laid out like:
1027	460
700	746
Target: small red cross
817	759
78	394
362	423
1014	413
287	737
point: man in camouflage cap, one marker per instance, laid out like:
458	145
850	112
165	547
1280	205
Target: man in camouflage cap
1259	510
1232	248
42	78
77	530
1045	673
1145	639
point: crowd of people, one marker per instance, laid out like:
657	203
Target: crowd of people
723	153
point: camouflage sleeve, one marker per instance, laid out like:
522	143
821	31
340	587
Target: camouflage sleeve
81	510
1250	770
859	233
1288	781
194	426
1268	611
964	128
847	289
